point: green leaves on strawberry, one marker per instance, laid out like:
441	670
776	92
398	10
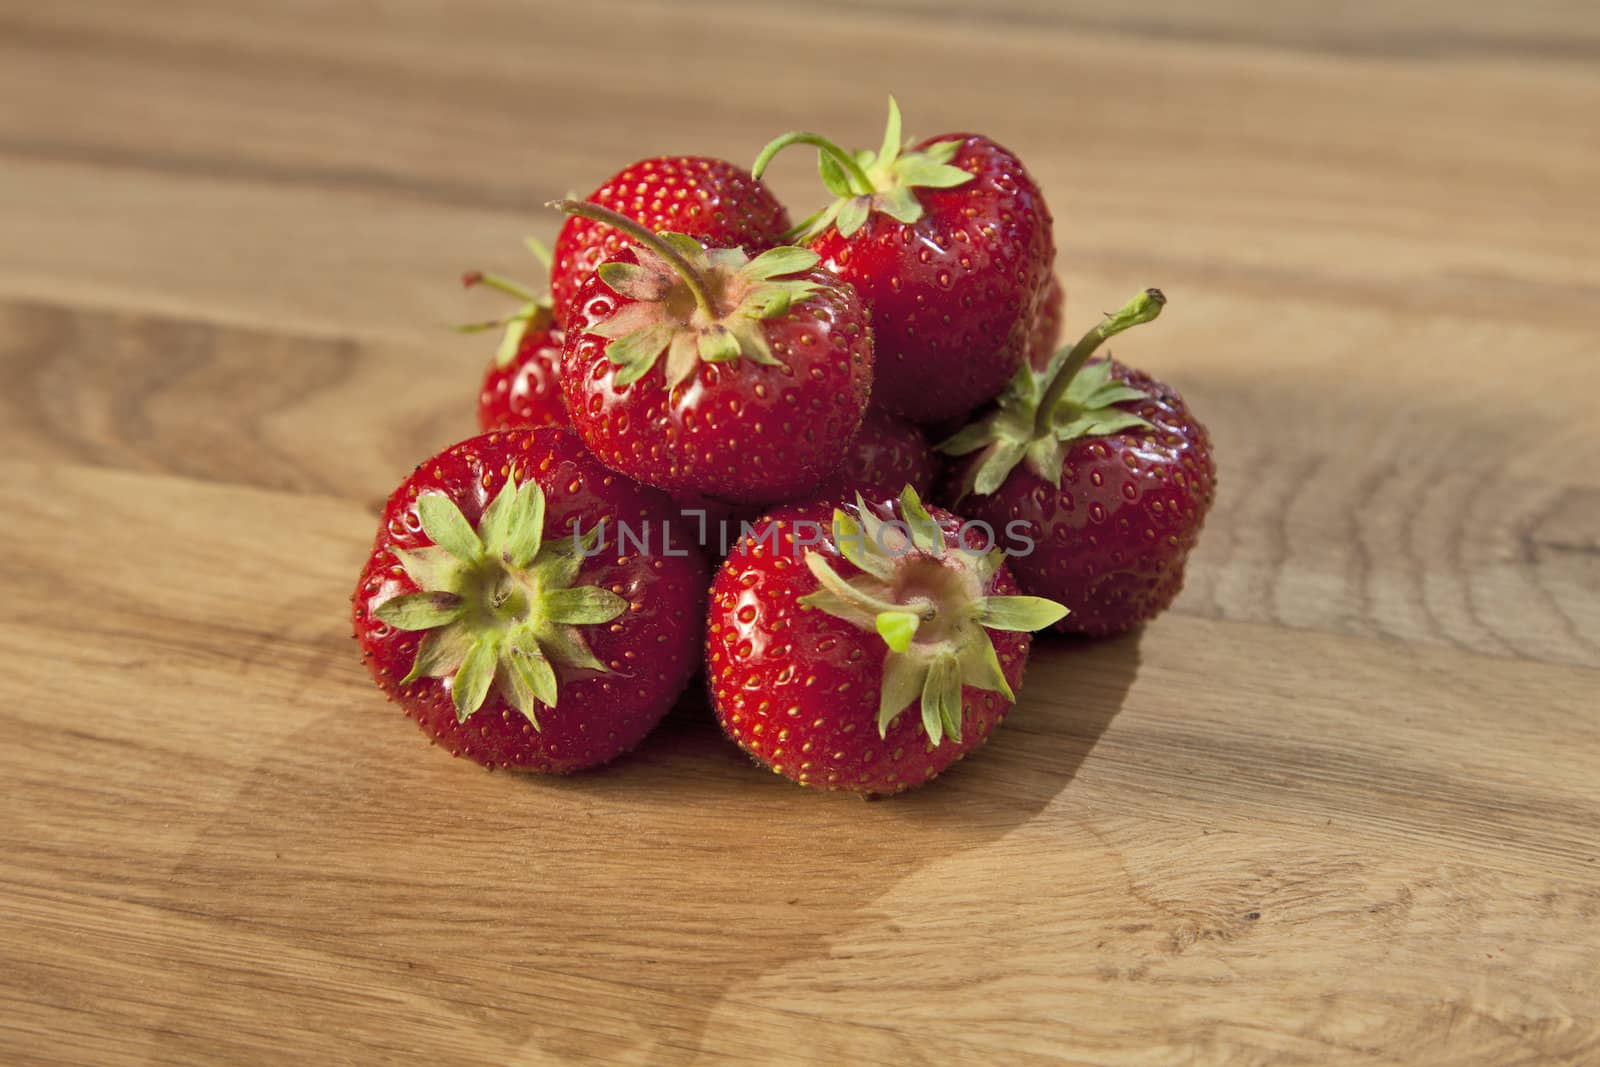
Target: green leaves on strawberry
1042	411
752	291
488	611
533	312
497	604
522	384
948	242
868	181
934	620
704	372
866	648
1105	469
709	199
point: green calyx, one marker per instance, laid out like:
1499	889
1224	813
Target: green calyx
1040	412
864	182
929	605
692	303
533	311
497	604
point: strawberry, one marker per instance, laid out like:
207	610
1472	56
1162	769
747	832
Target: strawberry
865	650
1108	473
1047	325
522	385
707	372
886	455
949	243
481	614
710	199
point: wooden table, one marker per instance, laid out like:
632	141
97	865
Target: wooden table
1340	805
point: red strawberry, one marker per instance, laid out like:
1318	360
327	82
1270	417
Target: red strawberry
480	614
707	372
949	244
873	660
522	385
710	199
1047	325
886	455
527	390
1108	473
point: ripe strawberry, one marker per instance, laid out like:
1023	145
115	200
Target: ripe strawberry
712	200
480	614
768	363
949	244
886	455
873	660
522	385
1109	472
526	391
1047	325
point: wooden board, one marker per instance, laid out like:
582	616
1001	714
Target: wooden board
1341	805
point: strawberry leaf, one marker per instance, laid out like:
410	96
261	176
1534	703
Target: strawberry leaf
431	567
476	675
583	605
636	353
853	215
900	204
833	176
511	340
718	345
439	653
568	648
524	533
444	524
919	170
1020	613
636	282
903	679
891	137
776	262
851	541
897	628
683	356
941	700
925	533
420	611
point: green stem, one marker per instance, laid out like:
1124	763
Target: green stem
504	285
1142	308
641	234
540	251
859	182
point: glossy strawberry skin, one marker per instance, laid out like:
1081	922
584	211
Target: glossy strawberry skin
953	296
798	689
1111	542
652	650
739	431
886	455
1045	336
711	199
527	391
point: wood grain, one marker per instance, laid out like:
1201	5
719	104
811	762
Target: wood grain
1340	805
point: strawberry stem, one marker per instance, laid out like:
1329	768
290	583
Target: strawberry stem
860	184
504	285
642	234
1142	308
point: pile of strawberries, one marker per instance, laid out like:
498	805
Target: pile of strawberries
706	381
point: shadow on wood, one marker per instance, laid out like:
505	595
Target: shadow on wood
601	917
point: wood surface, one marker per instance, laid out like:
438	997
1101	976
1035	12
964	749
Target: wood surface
1341	805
